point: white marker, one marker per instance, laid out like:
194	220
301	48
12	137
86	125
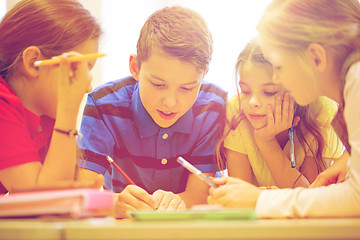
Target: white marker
196	171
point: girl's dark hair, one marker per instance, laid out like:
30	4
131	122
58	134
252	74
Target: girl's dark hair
54	26
308	123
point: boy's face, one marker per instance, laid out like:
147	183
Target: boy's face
168	87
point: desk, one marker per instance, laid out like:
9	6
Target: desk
109	228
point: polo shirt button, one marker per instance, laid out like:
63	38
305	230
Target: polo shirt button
163	161
165	136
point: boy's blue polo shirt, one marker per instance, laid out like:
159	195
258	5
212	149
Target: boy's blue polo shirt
116	124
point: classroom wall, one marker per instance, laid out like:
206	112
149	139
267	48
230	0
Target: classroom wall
2	8
232	23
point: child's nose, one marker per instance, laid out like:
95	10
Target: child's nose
276	78
254	101
170	99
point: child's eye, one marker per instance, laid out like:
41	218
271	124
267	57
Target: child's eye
158	84
270	94
277	68
187	88
245	92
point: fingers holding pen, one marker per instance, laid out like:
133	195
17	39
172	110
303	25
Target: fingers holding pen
168	200
138	198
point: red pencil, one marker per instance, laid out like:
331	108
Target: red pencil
111	161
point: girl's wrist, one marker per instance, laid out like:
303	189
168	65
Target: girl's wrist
67	112
70	133
65	121
264	139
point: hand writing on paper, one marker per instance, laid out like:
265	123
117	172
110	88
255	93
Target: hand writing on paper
233	193
134	198
168	200
280	120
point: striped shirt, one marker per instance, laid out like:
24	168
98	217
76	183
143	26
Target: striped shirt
116	124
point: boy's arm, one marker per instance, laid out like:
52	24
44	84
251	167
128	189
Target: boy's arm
196	191
95	144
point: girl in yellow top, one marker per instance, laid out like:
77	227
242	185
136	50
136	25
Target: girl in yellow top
257	145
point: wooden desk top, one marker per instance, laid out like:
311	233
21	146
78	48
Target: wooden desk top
109	228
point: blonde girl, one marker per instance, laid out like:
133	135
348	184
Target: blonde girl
257	145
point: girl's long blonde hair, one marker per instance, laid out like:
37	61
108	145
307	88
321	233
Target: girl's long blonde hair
295	24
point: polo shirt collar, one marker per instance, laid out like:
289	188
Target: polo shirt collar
146	125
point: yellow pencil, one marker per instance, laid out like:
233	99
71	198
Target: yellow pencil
71	59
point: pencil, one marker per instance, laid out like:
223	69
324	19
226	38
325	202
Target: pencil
71	59
111	161
291	140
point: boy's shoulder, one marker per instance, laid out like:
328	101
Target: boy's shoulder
211	98
118	89
211	92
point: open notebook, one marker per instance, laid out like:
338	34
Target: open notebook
75	203
193	214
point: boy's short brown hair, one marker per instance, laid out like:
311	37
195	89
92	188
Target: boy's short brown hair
178	32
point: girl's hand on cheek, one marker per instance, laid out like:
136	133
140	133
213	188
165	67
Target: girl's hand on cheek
74	80
278	121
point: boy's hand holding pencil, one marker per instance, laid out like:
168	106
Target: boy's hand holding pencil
134	197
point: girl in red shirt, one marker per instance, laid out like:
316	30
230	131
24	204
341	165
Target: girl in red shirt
39	104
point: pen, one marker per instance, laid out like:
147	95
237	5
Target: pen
291	140
71	59
196	171
111	161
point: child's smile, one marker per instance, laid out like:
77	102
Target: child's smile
166	115
257	116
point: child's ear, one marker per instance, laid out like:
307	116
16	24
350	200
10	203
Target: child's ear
318	56
134	66
29	57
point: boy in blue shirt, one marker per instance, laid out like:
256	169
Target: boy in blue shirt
163	111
